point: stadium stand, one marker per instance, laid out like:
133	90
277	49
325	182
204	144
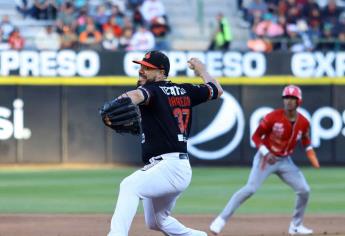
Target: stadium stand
193	23
186	25
261	25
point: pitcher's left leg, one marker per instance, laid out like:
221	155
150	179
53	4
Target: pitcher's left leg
157	217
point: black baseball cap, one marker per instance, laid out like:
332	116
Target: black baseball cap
156	60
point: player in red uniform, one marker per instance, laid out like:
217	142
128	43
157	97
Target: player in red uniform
276	138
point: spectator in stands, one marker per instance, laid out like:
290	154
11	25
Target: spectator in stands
142	40
223	35
299	39
282	7
6	27
314	22
112	24
4	45
138	18
330	14
47	39
272	5
134	4
293	13
90	38
340	44
93	5
120	17
282	22
110	42
308	24
127	23
125	39
314	18
269	27
294	43
127	34
120	4
82	21
327	42
15	40
160	29
290	9
68	38
260	45
25	7
80	4
257	8
308	8
67	17
306	34
323	3
340	26
45	9
101	17
152	9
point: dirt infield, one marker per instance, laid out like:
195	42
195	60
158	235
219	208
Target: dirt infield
96	225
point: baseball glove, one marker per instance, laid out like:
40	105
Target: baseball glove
122	116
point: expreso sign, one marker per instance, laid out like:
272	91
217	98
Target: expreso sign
318	64
229	64
50	63
230	117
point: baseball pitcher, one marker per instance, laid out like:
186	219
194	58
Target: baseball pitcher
164	122
276	138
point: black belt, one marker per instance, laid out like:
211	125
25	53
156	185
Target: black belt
181	156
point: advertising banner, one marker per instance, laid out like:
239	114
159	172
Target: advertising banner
9	123
55	124
226	135
229	64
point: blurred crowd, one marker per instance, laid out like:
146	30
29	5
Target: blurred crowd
97	24
295	25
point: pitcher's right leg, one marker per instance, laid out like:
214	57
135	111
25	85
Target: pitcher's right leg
126	207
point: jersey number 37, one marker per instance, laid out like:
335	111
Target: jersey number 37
182	116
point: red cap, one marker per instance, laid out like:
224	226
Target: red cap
293	91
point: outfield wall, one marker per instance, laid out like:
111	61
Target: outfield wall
61	124
49	102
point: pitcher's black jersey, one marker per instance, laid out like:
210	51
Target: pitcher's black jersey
167	114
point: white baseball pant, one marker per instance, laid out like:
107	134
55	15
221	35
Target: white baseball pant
158	184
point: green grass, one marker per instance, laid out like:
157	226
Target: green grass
94	191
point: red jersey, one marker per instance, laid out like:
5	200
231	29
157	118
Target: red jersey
280	135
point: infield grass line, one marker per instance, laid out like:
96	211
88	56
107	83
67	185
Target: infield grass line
76	191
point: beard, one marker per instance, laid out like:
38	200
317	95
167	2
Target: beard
144	80
141	80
